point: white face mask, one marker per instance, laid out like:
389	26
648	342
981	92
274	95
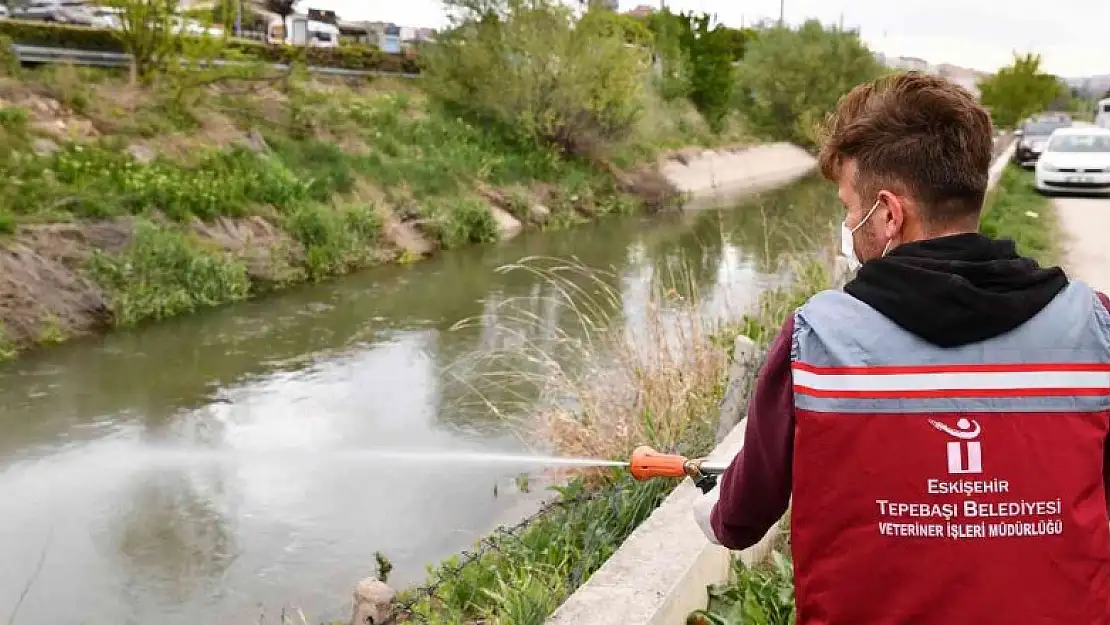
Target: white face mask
847	240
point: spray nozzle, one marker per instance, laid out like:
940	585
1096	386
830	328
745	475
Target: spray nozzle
646	463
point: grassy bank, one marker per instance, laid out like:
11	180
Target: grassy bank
1015	210
146	206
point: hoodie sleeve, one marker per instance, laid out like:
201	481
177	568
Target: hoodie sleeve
755	489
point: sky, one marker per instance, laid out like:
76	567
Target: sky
1072	36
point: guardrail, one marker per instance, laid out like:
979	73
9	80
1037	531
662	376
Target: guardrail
38	54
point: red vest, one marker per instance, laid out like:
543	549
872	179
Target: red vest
953	486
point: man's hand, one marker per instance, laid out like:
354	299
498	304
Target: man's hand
703	508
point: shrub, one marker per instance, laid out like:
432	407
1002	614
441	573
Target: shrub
7	221
7	349
147	33
336	240
763	593
712	79
9	62
697	62
164	273
464	221
325	165
13	118
791	79
528	68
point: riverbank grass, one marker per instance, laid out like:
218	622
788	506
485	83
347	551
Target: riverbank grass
1015	210
283	180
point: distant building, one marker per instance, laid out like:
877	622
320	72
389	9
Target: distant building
642	10
909	63
962	76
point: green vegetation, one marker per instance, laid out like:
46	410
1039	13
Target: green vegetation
792	78
762	594
7	349
528	576
697	61
1019	90
501	56
165	273
1014	210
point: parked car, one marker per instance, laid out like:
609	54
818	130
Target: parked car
4	11
1075	159
61	11
107	17
1032	137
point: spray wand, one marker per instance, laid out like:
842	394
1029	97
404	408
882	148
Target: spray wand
647	463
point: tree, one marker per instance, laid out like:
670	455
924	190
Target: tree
791	79
738	39
671	58
1019	90
148	34
712	79
696	61
526	67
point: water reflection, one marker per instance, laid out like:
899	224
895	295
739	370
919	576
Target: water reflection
191	470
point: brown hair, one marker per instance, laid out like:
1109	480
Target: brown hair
916	134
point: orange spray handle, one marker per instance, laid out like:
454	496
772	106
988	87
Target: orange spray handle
647	463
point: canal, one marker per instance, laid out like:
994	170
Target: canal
211	467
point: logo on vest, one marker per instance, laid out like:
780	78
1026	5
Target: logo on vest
965	455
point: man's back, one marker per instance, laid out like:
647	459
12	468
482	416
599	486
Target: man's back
942	423
951	484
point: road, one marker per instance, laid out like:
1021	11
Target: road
1085	223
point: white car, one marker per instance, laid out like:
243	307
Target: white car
1076	160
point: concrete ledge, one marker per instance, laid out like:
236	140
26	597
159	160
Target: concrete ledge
999	164
714	177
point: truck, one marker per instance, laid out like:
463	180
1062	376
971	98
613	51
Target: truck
299	30
1102	113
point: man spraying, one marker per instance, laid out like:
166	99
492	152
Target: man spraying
941	423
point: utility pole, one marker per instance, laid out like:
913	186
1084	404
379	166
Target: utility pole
782	12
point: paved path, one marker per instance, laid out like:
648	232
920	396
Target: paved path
1086	225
